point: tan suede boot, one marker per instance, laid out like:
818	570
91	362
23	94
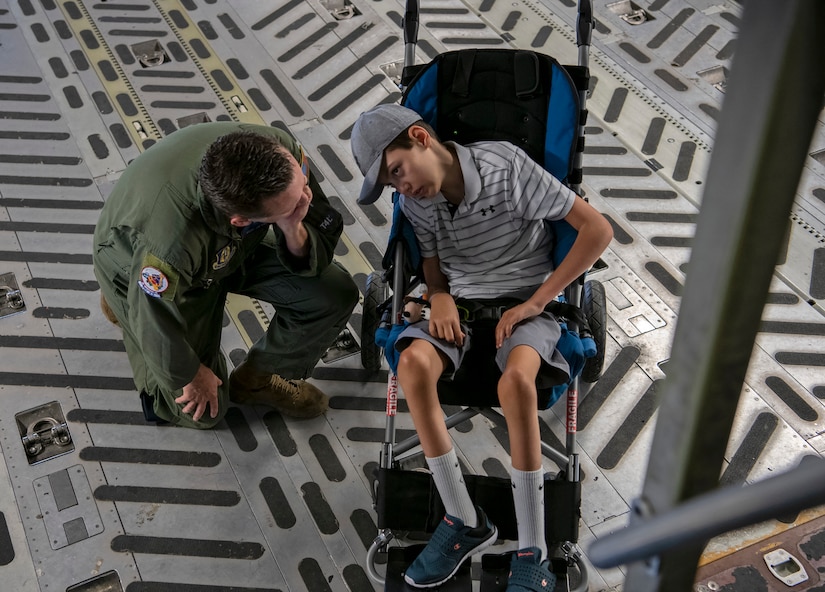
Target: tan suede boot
107	312
293	398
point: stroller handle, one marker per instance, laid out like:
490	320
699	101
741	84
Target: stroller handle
410	22
584	23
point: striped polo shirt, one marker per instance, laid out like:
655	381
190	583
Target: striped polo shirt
497	240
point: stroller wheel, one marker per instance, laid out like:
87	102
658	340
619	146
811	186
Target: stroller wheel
576	579
595	309
570	569
376	294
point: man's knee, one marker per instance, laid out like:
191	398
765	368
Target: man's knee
344	288
339	293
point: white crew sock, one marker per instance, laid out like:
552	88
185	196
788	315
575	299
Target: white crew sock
528	498
450	484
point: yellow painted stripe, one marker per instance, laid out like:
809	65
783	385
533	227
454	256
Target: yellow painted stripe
237	104
236	304
140	126
354	260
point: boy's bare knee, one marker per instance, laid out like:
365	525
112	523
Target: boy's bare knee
420	362
516	385
516	379
411	362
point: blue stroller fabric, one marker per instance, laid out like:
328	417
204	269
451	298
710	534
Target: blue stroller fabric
510	92
386	336
402	232
575	350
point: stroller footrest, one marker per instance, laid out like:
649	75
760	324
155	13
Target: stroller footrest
399	558
409	501
496	567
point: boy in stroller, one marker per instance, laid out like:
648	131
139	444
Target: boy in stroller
480	216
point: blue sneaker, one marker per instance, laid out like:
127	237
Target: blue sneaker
528	573
451	544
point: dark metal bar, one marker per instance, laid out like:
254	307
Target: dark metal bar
774	97
714	513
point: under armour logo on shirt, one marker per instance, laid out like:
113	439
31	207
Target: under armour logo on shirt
484	211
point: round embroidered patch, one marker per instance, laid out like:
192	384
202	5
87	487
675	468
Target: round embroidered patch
153	281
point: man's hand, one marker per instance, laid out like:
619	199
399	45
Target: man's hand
444	320
201	393
292	225
512	317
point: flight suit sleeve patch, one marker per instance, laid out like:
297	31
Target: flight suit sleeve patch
157	278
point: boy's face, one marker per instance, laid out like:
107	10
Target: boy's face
415	171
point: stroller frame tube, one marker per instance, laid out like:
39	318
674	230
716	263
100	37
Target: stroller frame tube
392	379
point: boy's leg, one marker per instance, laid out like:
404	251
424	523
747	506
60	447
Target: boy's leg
528	499
465	529
519	404
451	487
419	369
518	398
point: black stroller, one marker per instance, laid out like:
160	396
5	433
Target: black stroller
532	101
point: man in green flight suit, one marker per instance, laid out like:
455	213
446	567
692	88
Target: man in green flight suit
216	208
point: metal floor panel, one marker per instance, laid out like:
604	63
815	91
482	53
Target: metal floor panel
267	503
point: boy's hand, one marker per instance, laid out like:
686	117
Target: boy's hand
512	317
444	321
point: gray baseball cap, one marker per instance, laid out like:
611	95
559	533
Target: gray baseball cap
371	134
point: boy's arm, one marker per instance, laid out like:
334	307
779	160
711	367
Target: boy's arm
594	234
444	320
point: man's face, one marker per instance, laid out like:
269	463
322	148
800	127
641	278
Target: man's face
288	207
